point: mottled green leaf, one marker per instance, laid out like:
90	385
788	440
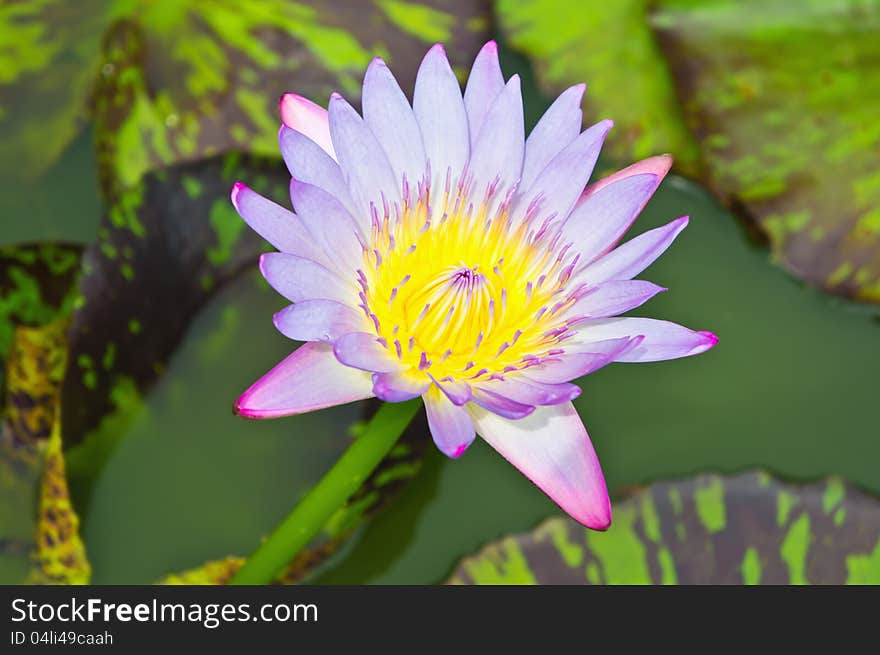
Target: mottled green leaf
609	46
772	103
783	98
180	80
49	57
745	529
38	543
37	284
167	244
188	79
60	554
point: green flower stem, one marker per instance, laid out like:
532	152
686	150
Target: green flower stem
339	483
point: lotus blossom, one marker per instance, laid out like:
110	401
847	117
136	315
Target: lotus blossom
437	252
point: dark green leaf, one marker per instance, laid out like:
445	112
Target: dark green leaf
184	80
49	57
746	529
609	46
771	103
783	98
163	249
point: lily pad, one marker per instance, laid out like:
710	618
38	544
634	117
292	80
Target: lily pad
772	104
609	46
49	57
39	543
37	291
36	286
203	77
783	99
185	80
163	249
744	529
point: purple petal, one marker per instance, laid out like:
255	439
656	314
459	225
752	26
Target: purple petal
330	226
598	223
558	127
552	449
662	339
498	151
391	119
458	392
299	279
308	163
532	392
308	379
364	351
451	425
612	298
579	360
399	386
561	182
304	116
439	109
277	225
318	320
484	84
634	256
365	168
501	405
658	166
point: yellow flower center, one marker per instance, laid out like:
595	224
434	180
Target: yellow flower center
462	290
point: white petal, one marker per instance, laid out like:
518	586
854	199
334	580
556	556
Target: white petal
551	448
439	109
391	119
558	127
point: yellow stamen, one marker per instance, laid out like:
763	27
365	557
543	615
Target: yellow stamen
460	290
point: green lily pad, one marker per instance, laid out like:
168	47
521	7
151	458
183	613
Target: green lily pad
744	529
772	104
163	250
37	292
38	543
609	46
49	57
36	286
176	81
783	99
186	80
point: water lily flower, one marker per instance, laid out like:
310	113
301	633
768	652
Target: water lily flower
437	252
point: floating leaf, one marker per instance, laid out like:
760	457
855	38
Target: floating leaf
60	556
745	529
49	57
162	251
36	294
42	543
771	103
188	79
609	46
202	77
783	98
36	286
